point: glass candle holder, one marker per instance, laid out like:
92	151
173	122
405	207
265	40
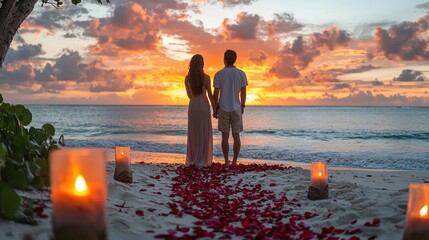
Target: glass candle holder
78	193
417	224
319	175
122	159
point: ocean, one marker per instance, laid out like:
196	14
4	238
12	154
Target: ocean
366	137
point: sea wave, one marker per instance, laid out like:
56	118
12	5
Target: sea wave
344	135
361	159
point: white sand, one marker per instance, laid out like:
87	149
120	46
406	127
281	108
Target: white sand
355	194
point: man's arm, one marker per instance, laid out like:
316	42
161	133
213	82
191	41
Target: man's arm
243	98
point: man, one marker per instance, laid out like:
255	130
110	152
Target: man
230	83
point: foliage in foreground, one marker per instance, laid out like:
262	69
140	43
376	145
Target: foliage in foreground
23	158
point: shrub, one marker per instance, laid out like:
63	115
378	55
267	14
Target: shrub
24	155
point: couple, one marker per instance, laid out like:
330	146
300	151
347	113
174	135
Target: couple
230	83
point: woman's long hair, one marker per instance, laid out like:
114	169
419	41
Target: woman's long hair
196	74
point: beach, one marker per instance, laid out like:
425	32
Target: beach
362	203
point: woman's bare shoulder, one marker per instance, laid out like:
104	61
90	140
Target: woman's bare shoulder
206	77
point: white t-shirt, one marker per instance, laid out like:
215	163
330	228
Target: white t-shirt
230	80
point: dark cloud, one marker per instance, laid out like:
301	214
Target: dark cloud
423	6
341	86
405	41
48	19
331	38
409	75
48	74
141	42
56	18
23	52
105	80
69	66
245	28
356	98
282	23
376	82
359	69
69	35
296	56
258	57
23	74
233	3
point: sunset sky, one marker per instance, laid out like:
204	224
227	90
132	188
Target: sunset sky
330	52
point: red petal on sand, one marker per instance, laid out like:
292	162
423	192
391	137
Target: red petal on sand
375	223
140	212
38	209
151	209
182	229
217	197
151	185
354	238
143	190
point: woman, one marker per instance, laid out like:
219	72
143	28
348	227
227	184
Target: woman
200	136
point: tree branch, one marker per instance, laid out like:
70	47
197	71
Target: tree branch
12	14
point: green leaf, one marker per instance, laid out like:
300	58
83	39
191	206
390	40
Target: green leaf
18	109
9	201
3	154
16	177
44	170
27	117
1	98
49	129
19	142
4	107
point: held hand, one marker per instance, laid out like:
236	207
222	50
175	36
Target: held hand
215	113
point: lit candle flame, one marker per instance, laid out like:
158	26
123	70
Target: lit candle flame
320	174
122	153
80	184
424	211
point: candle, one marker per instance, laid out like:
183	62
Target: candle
417	224
319	175
78	192
122	162
122	159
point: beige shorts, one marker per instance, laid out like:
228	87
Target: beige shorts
228	120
